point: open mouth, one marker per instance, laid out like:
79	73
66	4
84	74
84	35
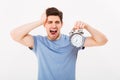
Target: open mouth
53	32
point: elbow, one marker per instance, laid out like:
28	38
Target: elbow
103	41
13	35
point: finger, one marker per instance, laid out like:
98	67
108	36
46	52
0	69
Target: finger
43	17
82	25
78	23
75	26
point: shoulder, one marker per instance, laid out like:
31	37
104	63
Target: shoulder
38	37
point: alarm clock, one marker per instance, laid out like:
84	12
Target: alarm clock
76	38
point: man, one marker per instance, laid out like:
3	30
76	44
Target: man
56	56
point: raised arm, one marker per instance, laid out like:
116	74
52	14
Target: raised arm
21	33
97	38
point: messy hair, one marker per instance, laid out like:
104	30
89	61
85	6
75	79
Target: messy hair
54	11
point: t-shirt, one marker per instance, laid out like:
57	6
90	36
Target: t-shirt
56	58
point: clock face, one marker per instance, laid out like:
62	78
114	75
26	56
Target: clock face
76	40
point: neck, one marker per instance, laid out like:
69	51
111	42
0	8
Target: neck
58	37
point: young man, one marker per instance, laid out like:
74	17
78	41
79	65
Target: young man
56	56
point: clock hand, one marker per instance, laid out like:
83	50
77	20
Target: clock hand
76	40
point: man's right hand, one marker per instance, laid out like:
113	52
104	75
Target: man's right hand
43	19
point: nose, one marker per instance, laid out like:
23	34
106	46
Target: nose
54	25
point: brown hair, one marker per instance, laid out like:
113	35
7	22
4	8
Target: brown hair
54	11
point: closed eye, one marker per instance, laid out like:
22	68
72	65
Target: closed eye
49	22
57	22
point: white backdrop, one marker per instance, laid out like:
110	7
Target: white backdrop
17	62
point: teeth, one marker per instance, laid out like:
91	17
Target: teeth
53	30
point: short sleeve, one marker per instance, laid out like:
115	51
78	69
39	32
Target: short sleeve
35	44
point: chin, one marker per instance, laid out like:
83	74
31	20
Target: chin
53	37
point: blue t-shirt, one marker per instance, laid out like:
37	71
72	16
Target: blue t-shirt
56	59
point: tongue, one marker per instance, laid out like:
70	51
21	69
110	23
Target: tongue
53	32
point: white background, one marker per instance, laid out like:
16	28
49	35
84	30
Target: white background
17	62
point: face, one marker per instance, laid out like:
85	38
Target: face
77	40
53	26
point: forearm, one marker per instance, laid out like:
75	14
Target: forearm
22	31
